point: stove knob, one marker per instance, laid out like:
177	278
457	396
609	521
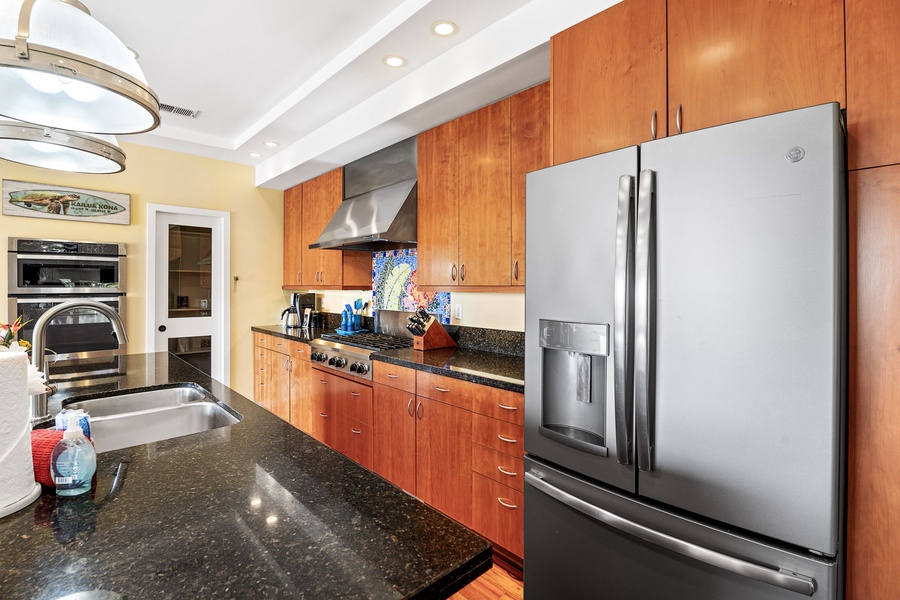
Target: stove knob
353	367
332	361
362	369
340	363
322	357
313	356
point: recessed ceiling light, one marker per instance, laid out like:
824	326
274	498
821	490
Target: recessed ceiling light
394	61
444	28
255	154
271	144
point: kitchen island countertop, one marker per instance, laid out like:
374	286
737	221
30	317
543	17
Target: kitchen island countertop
254	510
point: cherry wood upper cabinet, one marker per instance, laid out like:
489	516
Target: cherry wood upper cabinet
328	269
530	149
873	82
873	495
484	196
293	233
609	80
740	59
438	205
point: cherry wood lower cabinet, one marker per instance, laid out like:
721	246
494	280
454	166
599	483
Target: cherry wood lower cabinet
444	458
395	436
301	400
271	378
498	513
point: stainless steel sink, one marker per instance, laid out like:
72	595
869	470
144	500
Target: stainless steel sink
142	417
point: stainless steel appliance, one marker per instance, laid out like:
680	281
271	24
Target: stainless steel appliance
686	366
351	354
62	267
45	273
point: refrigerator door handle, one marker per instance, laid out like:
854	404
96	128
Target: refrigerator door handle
787	580
623	323
643	323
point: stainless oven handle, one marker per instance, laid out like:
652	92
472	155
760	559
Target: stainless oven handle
61	299
787	580
81	257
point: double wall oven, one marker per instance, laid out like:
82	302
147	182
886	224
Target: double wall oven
44	273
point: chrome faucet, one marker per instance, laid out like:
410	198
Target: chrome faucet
39	411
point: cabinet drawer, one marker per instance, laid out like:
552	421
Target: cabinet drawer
401	378
499	435
280	345
497	513
444	389
261	340
500	404
322	422
298	350
354	400
353	439
499	466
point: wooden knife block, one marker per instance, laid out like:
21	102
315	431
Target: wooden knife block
435	337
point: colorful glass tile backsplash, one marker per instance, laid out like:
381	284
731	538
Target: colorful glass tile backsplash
394	285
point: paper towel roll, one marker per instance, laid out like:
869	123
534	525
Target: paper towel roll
17	485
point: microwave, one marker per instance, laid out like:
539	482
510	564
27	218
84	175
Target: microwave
51	267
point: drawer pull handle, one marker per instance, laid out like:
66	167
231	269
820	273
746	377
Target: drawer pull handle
393	376
298	350
354	393
505	472
507	440
323	415
504	407
323	382
507	504
440	389
409	407
356	431
262	385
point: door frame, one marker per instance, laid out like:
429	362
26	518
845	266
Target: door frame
222	317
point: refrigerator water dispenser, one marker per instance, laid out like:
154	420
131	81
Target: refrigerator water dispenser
573	410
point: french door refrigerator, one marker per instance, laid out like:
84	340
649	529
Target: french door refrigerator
685	366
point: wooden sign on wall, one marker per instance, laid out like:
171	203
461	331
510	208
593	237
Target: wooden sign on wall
22	199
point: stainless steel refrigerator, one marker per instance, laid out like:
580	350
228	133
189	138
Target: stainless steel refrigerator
685	366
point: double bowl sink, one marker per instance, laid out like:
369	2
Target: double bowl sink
146	416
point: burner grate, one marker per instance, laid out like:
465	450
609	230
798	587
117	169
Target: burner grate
371	341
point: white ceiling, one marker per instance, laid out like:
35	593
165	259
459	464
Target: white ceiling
308	74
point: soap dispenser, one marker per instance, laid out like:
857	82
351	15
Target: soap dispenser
73	461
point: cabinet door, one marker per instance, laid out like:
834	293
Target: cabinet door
609	78
873	523
293	234
395	436
484	196
739	59
321	197
278	384
259	374
444	458
530	149
873	82
301	401
438	205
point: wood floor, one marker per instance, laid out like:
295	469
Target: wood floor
496	584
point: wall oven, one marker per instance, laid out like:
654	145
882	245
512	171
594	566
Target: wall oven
44	273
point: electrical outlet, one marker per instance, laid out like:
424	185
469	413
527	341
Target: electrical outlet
457	311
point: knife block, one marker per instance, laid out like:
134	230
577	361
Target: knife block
435	337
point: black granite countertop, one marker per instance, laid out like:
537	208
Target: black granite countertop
254	510
493	369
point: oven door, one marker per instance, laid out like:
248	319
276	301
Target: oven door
68	274
79	333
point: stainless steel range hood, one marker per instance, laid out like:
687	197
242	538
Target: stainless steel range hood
379	209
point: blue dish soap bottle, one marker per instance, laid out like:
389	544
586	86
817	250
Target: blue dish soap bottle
73	461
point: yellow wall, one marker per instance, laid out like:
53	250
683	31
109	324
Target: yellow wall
165	177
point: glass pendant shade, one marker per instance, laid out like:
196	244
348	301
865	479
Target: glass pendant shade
39	146
61	68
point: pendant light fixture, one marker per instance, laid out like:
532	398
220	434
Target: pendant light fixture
39	146
61	68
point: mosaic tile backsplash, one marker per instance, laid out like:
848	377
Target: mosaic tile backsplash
394	285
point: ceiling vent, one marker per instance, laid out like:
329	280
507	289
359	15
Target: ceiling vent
177	110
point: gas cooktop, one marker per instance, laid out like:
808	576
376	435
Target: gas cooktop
351	354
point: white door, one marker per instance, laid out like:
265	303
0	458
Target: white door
187	300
